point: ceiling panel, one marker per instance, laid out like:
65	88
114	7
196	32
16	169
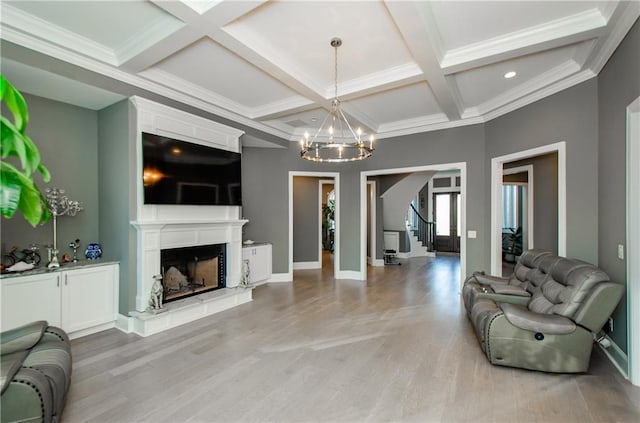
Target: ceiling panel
483	84
100	21
461	23
403	103
296	36
214	68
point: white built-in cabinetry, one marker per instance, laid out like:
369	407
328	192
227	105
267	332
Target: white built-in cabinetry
259	258
81	300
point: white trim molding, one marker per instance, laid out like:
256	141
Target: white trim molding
496	198
336	179
461	166
633	240
306	265
530	199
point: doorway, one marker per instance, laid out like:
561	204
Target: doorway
461	218
296	228
446	206
497	171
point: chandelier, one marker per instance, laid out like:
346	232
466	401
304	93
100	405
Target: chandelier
336	141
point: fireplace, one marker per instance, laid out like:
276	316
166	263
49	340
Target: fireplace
192	270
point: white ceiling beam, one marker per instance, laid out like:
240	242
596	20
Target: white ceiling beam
561	32
412	20
196	26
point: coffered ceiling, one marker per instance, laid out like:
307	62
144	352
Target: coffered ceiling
404	67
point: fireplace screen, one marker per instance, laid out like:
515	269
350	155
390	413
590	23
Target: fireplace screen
192	270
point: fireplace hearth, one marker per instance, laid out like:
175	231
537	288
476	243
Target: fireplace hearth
192	270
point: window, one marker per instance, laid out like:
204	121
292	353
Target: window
510	206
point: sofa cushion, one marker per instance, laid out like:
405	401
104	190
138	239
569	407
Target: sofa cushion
535	322
550	291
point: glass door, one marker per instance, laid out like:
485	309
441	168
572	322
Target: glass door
447	219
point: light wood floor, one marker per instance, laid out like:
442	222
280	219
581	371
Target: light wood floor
396	348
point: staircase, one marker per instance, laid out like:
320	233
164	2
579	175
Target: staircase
422	235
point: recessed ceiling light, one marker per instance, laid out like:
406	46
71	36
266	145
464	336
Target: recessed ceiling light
510	74
314	119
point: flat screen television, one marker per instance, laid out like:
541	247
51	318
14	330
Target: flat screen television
180	172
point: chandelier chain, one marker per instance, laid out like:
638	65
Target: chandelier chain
335	68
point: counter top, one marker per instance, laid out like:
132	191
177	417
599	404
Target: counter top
64	266
255	244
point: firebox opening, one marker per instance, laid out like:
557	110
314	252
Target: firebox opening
192	270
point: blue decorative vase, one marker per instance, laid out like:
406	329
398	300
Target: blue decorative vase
93	251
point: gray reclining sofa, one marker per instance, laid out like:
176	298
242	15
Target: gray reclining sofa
36	373
544	317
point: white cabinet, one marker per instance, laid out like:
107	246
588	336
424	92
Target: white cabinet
259	257
29	298
80	301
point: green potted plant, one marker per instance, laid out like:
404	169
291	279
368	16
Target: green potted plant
19	191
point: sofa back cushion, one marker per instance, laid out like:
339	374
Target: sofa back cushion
579	285
550	290
528	260
538	275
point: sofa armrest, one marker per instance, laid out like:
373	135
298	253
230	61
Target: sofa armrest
489	279
9	366
523	318
22	338
509	290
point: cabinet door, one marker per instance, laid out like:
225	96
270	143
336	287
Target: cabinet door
89	297
261	263
29	298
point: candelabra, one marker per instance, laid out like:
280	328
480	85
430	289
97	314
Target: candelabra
59	205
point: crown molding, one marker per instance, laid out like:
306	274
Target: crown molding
581	25
628	15
47	32
170	80
550	77
554	88
417	122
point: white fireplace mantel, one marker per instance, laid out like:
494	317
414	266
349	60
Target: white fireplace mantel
154	236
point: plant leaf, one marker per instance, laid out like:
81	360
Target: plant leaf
11	188
16	104
23	194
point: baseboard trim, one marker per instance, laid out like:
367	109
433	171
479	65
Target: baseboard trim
281	277
616	356
403	255
306	265
351	274
124	323
377	263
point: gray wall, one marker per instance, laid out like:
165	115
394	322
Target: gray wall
266	204
618	85
67	138
306	219
545	206
571	116
116	204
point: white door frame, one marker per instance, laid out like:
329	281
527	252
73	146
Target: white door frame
633	240
374	210
336	179
496	198
529	184
462	166
321	182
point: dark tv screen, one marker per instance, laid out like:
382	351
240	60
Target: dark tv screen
180	172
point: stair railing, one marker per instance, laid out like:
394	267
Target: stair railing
425	231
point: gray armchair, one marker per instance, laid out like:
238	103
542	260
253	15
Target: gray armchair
554	330
36	373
